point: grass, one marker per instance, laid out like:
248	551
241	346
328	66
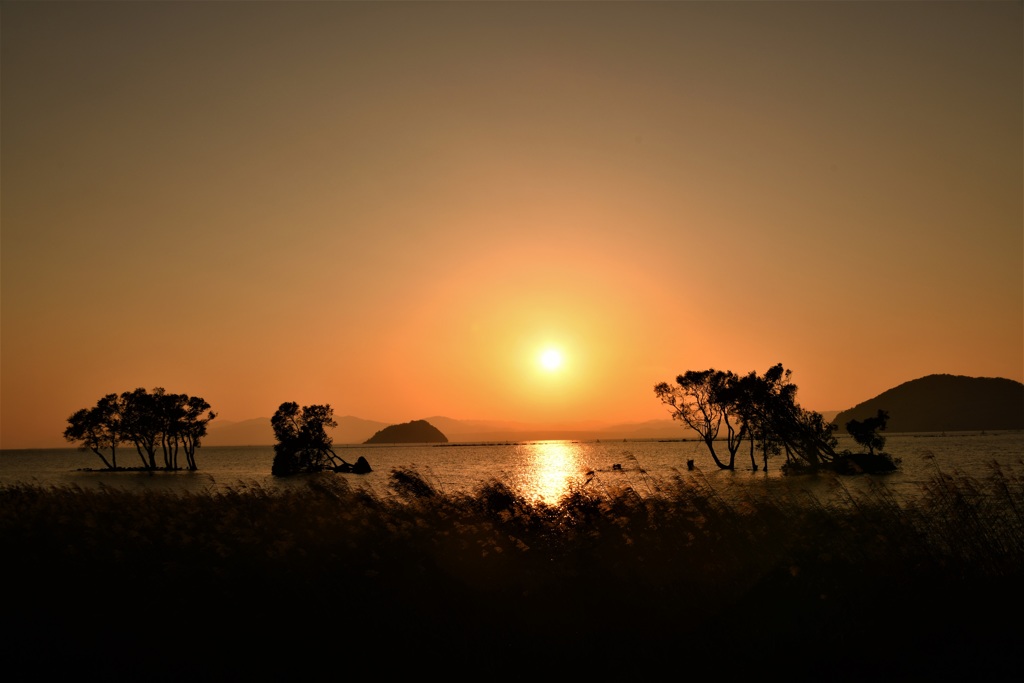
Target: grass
613	578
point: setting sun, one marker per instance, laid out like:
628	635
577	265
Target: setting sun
551	359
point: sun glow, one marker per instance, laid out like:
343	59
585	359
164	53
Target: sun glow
551	359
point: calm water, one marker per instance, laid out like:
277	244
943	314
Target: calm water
542	470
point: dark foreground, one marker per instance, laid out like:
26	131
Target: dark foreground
331	580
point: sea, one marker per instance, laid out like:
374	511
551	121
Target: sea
542	471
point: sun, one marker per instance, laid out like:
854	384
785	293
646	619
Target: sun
551	359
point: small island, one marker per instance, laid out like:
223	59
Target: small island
417	431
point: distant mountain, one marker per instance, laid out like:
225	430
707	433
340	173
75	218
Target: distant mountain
354	430
946	403
417	431
258	432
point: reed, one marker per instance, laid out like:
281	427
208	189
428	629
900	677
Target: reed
658	568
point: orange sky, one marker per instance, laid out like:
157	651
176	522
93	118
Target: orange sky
394	208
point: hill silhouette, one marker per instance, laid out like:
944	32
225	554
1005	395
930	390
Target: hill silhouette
417	431
355	430
941	403
257	432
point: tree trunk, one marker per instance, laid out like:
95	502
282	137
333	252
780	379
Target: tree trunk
733	441
188	443
97	452
714	456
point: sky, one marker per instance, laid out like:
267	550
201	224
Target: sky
398	208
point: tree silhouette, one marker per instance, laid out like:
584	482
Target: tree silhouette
866	433
303	444
759	408
749	396
98	428
196	415
705	400
695	401
784	426
142	423
146	420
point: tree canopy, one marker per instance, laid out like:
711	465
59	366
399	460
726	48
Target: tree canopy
865	432
98	428
760	410
172	423
303	444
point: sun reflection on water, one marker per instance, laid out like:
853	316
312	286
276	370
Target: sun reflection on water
552	466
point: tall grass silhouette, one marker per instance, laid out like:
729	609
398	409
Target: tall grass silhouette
254	579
